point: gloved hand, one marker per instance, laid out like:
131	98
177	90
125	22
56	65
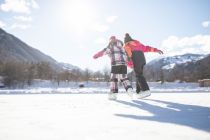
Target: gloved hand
130	64
160	52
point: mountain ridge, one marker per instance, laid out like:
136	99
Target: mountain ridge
12	48
180	67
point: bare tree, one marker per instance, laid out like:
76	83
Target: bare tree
106	74
14	73
87	75
44	70
162	76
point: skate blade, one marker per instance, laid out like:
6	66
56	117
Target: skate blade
143	96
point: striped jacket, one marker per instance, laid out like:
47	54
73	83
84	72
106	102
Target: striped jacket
116	53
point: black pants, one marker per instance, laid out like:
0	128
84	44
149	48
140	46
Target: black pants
141	83
139	61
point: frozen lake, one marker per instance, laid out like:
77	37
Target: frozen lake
103	87
171	116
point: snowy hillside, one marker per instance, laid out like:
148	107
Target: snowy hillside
12	48
187	67
162	116
171	62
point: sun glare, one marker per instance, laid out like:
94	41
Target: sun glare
77	16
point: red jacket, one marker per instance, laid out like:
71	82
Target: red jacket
137	46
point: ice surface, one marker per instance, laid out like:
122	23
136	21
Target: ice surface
89	116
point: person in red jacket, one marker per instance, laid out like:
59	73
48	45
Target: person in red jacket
136	59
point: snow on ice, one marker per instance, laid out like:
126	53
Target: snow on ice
183	114
89	116
103	87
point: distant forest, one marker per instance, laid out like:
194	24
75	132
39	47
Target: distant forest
19	74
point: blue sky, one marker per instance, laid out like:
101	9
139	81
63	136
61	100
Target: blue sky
72	31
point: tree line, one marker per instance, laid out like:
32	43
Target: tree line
18	74
188	72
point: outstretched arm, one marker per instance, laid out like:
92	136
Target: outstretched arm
151	49
144	48
99	54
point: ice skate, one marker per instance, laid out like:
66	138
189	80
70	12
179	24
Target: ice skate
143	94
130	92
112	96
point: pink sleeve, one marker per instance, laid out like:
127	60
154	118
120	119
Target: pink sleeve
99	54
147	48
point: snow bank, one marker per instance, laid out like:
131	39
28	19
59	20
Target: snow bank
100	87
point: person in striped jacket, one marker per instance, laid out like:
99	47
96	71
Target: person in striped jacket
136	60
118	66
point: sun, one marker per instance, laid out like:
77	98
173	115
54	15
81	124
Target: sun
77	16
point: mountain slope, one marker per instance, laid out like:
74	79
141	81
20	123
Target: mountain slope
182	67
13	48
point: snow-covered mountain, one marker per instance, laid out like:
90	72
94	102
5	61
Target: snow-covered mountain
13	48
171	62
175	67
68	67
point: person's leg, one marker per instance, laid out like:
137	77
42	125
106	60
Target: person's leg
113	83
142	87
142	83
113	87
138	88
125	81
127	84
140	80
